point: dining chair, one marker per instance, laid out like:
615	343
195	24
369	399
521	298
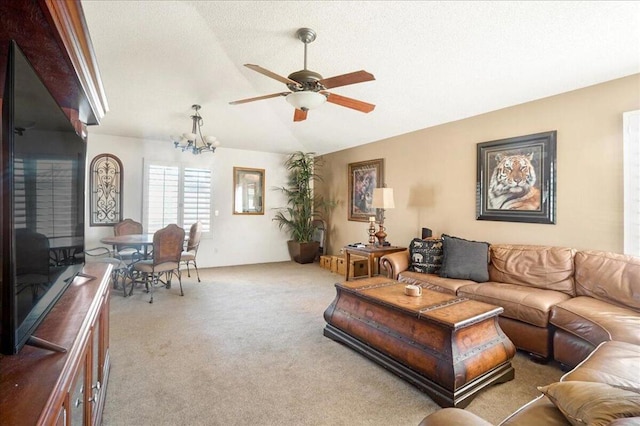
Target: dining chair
119	270
127	253
167	248
189	255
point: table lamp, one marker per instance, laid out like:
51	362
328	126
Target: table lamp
382	199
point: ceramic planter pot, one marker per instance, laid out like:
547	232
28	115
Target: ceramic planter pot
303	252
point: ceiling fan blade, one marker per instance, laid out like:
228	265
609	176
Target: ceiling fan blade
259	98
271	74
349	102
346	79
299	115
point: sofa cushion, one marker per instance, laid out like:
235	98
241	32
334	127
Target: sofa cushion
464	259
610	277
596	321
425	255
453	416
433	282
538	412
614	363
527	304
591	403
533	266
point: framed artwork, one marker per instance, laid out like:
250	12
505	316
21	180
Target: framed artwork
363	177
516	179
248	191
106	190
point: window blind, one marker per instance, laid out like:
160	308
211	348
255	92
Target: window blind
177	194
163	196
197	198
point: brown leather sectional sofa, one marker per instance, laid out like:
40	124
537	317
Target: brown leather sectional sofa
558	302
603	389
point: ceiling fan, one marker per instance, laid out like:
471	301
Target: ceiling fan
308	89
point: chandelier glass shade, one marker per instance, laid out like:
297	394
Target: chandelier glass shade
194	142
306	100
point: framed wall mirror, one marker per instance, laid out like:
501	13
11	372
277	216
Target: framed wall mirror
248	190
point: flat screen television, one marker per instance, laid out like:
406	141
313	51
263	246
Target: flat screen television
42	195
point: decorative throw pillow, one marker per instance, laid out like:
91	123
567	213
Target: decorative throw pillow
426	255
464	259
592	403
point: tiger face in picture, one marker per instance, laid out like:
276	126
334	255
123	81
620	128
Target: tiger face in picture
513	184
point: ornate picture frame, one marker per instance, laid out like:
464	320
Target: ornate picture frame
516	179
248	191
105	203
364	176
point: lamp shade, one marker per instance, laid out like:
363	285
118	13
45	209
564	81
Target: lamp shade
306	100
189	136
382	198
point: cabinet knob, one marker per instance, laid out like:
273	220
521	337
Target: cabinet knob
78	402
95	388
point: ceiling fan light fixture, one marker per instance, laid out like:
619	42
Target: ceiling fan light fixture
190	141
306	100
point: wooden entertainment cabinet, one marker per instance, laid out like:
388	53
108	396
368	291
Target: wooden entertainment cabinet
39	386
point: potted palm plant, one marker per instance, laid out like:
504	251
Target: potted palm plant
302	206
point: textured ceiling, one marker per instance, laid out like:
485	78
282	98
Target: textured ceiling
434	62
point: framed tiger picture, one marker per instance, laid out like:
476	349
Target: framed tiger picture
516	179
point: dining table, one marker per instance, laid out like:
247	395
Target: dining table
131	240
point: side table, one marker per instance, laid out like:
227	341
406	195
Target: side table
372	252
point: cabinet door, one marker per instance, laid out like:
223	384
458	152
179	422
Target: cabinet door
78	395
97	360
61	418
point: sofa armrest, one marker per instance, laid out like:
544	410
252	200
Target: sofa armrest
453	416
395	263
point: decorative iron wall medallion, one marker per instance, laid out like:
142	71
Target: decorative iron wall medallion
106	190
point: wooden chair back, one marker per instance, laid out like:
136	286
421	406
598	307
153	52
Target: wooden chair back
195	233
167	244
127	227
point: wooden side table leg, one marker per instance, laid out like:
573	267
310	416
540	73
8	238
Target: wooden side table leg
371	263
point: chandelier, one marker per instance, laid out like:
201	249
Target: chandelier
194	142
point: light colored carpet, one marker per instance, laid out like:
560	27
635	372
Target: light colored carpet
245	346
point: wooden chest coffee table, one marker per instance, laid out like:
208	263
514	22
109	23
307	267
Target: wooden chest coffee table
448	346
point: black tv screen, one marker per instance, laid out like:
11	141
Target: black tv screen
43	169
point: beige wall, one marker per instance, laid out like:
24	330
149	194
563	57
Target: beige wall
433	173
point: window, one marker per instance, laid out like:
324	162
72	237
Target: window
176	194
631	137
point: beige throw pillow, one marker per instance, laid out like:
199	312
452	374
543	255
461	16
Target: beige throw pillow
591	403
